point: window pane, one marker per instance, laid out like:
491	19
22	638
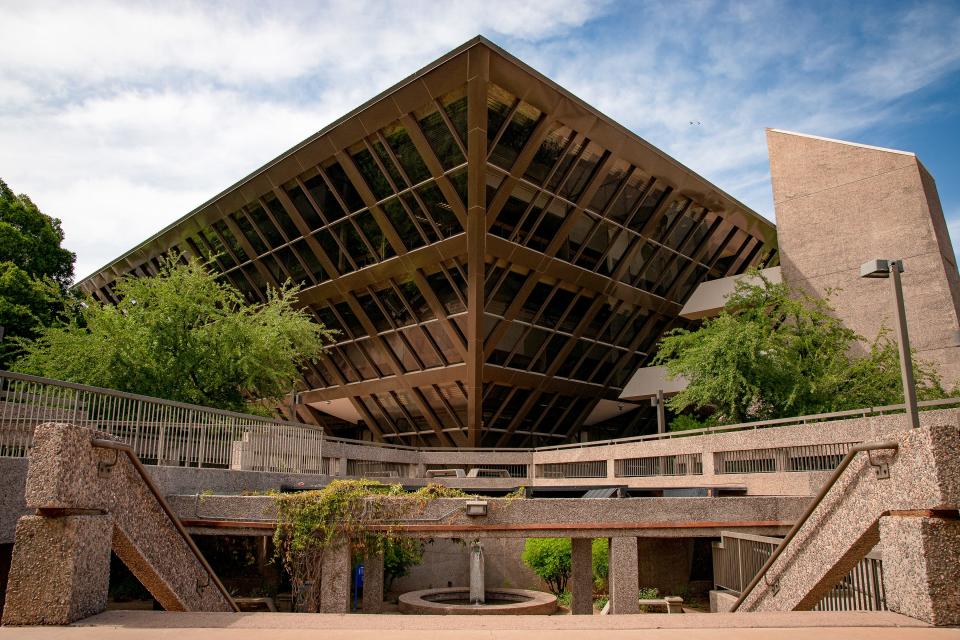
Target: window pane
340	182
328	204
441	141
267	228
382	249
371	174
248	232
303	206
231	241
304	251
350	238
403	224
439	210
406	153
549	153
280	215
515	136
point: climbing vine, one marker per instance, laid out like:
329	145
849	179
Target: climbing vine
310	522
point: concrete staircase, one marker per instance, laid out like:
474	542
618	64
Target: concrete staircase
91	496
904	497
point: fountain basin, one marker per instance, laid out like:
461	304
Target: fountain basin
456	601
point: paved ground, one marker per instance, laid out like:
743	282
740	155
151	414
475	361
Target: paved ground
123	625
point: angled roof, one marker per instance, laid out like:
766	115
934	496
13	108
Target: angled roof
337	135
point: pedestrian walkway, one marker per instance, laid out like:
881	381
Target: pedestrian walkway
124	625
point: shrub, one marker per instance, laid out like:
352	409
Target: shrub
601	564
550	560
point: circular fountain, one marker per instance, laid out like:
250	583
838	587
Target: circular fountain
456	601
477	599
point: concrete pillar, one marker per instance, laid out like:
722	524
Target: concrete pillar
624	583
581	576
60	569
335	579
373	582
921	567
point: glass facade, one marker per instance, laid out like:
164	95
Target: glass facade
586	258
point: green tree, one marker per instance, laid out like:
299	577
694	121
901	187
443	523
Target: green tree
183	335
399	556
774	352
550	560
35	271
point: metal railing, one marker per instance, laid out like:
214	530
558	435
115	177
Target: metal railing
812	457
587	469
739	557
681	464
157	431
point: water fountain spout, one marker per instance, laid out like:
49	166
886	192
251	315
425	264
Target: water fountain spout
477	586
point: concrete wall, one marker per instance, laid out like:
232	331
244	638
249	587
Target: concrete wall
839	205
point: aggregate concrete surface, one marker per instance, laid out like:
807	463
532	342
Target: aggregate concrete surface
121	625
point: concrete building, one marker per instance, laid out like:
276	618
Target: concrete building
500	258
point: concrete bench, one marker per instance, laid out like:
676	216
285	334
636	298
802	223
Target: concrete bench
446	473
255	604
674	604
488	473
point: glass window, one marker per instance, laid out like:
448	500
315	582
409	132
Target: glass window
650	204
321	194
499	103
608	187
304	208
371	173
404	225
439	138
332	248
313	263
549	153
528	347
497	304
256	242
340	181
445	292
267	228
329	320
459	180
231	241
625	202
219	251
372	309
664	224
406	152
350	238
438	209
536	299
350	322
455	105
580	175
559	303
382	249
415	300
394	307
389	165
290	262
280	216
515	136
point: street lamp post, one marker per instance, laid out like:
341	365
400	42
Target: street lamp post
892	269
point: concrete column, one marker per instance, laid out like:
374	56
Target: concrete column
373	582
624	583
60	569
335	580
921	567
581	576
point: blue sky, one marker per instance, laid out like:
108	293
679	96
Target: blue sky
119	118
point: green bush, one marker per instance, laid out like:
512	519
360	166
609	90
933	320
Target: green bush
601	564
550	560
399	555
564	599
601	602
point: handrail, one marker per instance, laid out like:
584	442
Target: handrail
136	396
847	459
132	456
